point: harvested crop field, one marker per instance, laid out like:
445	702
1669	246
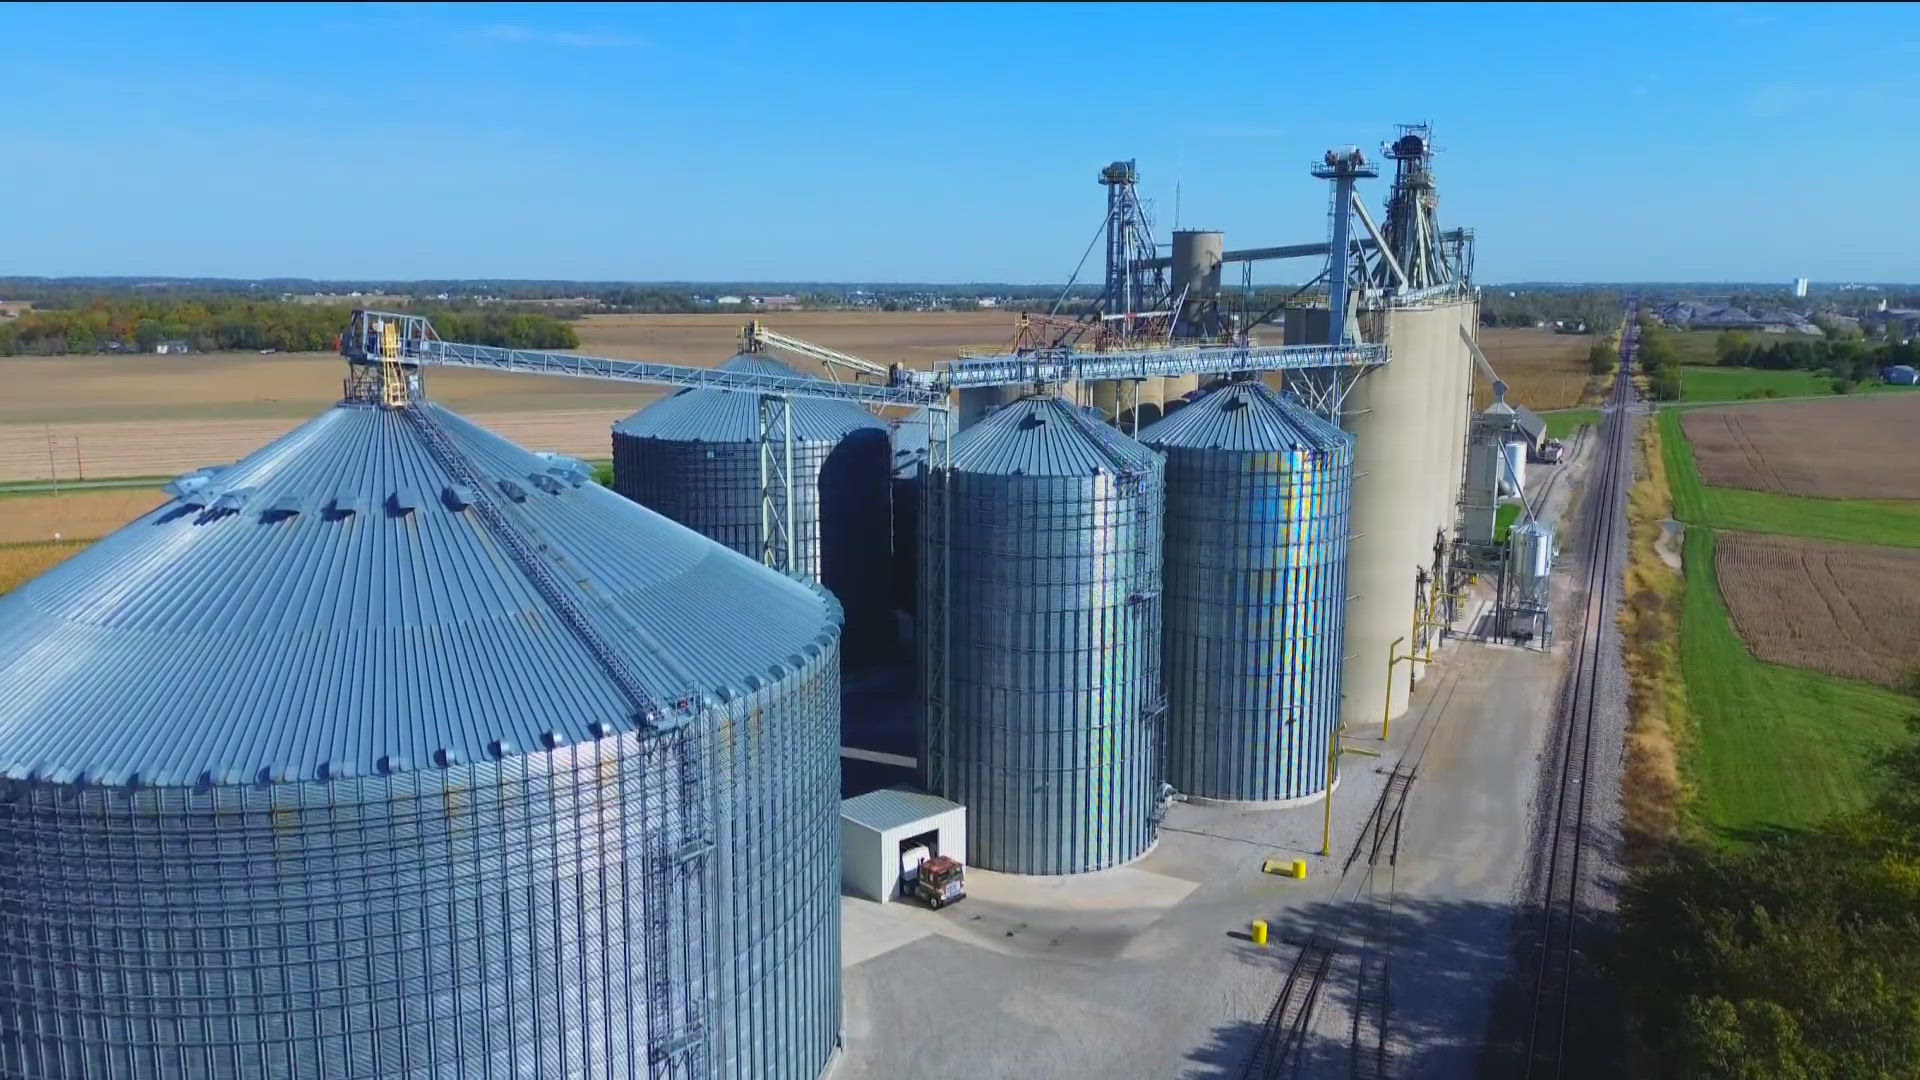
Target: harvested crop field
98	417
166	450
1863	448
1542	369
24	562
1844	609
917	338
73	515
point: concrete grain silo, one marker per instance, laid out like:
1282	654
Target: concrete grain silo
695	457
1053	646
1406	484
396	750
1258	489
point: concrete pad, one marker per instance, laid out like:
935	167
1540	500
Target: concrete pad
1123	888
1102	916
868	930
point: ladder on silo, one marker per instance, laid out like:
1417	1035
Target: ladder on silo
676	839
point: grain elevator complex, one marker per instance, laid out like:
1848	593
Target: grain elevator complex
397	750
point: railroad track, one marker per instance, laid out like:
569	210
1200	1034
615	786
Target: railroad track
1556	967
1285	1031
1278	1051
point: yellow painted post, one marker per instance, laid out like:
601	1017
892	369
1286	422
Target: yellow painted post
1260	932
1326	824
1300	869
1386	706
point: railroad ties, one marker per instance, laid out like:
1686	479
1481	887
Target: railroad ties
1556	961
1284	1033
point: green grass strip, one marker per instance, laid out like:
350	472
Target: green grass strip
1859	521
1564	422
1774	747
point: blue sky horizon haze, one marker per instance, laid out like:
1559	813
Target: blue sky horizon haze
940	143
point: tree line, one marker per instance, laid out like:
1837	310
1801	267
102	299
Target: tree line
1847	359
1527	307
231	323
1659	359
1790	958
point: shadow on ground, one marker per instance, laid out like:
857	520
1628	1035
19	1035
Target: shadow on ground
1447	1015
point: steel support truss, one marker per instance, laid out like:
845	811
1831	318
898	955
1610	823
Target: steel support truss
776	482
936	617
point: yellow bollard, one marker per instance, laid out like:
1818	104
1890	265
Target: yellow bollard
1300	869
1260	932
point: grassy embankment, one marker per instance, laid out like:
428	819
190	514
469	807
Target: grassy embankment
1859	521
1657	736
1761	747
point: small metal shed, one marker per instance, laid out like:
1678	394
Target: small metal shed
877	827
1533	427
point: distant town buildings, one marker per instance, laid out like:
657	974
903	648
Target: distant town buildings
1703	315
172	347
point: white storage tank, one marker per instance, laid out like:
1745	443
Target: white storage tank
1513	471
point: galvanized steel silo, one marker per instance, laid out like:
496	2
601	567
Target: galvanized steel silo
1053	644
1258	493
695	457
332	767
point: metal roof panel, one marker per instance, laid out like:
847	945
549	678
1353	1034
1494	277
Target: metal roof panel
1044	435
892	808
729	416
1244	416
189	644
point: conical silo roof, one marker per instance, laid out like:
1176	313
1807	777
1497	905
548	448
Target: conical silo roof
696	415
1244	416
1043	435
333	605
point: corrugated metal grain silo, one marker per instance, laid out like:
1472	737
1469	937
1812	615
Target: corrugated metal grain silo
1258	494
695	457
341	764
1053	643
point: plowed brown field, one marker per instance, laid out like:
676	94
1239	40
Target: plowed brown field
111	416
73	515
1542	369
168	449
1863	448
1843	609
24	562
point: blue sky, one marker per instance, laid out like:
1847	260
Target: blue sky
799	142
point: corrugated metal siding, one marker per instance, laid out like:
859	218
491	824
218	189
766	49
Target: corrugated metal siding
1054	689
695	457
1258	495
477	920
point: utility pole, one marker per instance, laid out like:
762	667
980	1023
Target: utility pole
53	469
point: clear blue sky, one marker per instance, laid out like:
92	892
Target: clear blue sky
939	143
